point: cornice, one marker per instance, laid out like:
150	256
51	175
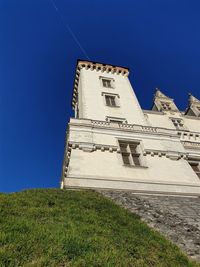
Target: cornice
91	147
153	112
124	127
102	67
191	145
103	178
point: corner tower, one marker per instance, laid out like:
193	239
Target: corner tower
103	92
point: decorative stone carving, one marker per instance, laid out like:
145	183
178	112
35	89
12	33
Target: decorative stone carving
86	147
191	145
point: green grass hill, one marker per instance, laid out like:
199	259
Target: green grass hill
78	228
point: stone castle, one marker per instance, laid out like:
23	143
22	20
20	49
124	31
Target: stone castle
112	143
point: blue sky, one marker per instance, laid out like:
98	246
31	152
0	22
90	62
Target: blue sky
158	40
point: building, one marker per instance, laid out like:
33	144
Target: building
113	144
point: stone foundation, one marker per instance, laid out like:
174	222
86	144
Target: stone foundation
176	217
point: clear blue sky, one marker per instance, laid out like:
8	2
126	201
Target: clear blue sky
159	40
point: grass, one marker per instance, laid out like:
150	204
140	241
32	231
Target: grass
78	228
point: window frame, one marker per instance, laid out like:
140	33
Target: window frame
111	80
137	153
106	83
116	120
116	99
110	100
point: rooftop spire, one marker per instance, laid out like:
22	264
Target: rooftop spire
159	94
163	102
193	100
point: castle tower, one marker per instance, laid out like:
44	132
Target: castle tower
103	92
112	143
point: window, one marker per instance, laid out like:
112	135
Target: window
107	83
198	108
165	105
130	154
110	100
116	120
178	123
195	167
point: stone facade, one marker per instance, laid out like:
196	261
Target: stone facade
178	218
112	143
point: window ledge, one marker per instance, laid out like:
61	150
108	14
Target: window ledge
113	106
135	167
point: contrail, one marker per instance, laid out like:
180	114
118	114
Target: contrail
70	30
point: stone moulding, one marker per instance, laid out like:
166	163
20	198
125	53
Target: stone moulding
193	156
134	185
181	135
192	145
124	126
91	147
141	181
173	155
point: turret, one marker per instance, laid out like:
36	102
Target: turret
163	102
193	106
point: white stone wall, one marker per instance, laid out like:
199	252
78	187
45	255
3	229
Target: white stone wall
158	119
192	123
92	104
96	161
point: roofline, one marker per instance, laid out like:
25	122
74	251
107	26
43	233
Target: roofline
97	62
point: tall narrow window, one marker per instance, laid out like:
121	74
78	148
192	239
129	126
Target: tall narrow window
195	167
110	100
107	83
130	154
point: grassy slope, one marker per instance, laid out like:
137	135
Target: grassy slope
77	228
